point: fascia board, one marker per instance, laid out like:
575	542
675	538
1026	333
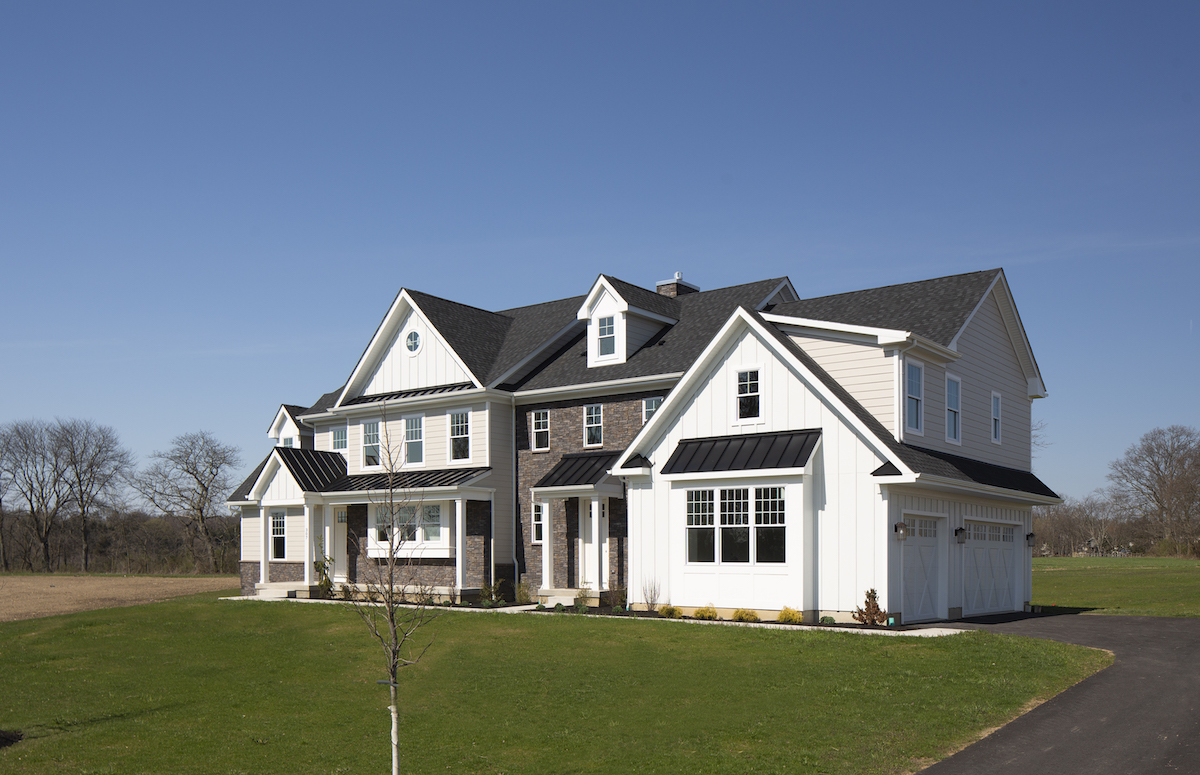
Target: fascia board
338	497
957	485
978	305
931	350
882	336
645	313
579	491
599	388
749	473
1036	388
376	338
276	428
632	472
1019	338
269	470
414	403
567	330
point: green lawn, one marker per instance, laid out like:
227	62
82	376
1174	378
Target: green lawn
1131	586
198	685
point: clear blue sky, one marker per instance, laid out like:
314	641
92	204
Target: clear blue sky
206	208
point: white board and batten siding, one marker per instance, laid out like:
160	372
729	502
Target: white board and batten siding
431	365
837	518
868	372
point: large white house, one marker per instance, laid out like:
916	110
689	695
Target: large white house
739	447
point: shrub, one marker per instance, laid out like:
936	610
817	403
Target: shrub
745	615
617	597
828	620
708	613
669	611
650	593
871	614
540	607
558	608
525	592
618	609
789	616
581	600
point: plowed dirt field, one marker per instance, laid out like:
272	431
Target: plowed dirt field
31	597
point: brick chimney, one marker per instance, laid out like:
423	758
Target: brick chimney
675	286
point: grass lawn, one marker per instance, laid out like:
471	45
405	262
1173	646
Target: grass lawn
199	685
1130	586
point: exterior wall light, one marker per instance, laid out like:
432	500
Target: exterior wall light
960	535
1029	539
901	530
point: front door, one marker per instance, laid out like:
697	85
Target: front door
339	546
920	564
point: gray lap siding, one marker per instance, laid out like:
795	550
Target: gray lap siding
622	421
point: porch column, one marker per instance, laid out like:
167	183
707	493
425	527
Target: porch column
604	506
547	547
327	533
264	563
595	576
460	541
308	545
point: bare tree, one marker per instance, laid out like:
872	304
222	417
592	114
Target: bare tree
1158	480
190	482
394	603
95	467
32	463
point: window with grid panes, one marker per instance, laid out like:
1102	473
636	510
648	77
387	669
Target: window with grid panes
701	533
593	425
748	404
541	429
769	529
539	524
370	443
339	438
460	435
735	525
414	440
608	338
278	535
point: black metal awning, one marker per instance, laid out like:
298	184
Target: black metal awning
579	470
746	452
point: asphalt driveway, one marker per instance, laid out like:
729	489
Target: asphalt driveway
1142	714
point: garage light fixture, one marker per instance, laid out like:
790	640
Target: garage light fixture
1029	539
901	530
960	534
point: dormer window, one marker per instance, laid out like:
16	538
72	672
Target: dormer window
748	395
608	336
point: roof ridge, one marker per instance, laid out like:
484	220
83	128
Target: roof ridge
412	291
900	285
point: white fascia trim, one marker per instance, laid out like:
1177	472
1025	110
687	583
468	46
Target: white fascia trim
957	485
628	473
384	333
281	417
601	284
978	306
273	465
344	497
559	335
1036	388
599	388
883	336
785	283
707	359
603	489
412	404
752	473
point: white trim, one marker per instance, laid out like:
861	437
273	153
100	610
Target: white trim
784	283
404	462
589	389
450	437
380	434
646	419
736	373
533	447
946	393
600	425
537	507
919	429
883	336
996	418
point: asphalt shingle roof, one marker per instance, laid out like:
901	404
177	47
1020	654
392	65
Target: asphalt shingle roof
935	309
673	350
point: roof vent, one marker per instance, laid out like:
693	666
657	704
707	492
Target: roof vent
675	286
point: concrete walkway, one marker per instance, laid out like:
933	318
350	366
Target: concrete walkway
1141	715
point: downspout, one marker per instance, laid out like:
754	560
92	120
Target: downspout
516	515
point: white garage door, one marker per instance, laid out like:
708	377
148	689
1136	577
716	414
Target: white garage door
988	568
920	570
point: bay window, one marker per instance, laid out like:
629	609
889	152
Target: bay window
746	530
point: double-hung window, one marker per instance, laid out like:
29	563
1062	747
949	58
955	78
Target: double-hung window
339	439
649	407
370	432
593	425
431	523
953	410
914	404
539	521
541	429
608	336
747	388
735	525
701	534
745	530
287	442
278	534
414	440
460	435
995	417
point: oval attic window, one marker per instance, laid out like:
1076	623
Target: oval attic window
412	341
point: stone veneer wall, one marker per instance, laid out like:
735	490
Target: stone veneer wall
477	565
622	421
427	571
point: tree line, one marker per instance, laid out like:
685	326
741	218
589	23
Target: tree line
71	498
1151	505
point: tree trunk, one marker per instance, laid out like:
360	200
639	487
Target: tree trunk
395	709
83	525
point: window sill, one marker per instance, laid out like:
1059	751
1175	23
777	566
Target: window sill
417	552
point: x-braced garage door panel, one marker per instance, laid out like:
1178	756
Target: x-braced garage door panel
920	558
988	568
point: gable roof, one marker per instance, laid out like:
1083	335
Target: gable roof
672	351
474	334
312	470
936	309
641	298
